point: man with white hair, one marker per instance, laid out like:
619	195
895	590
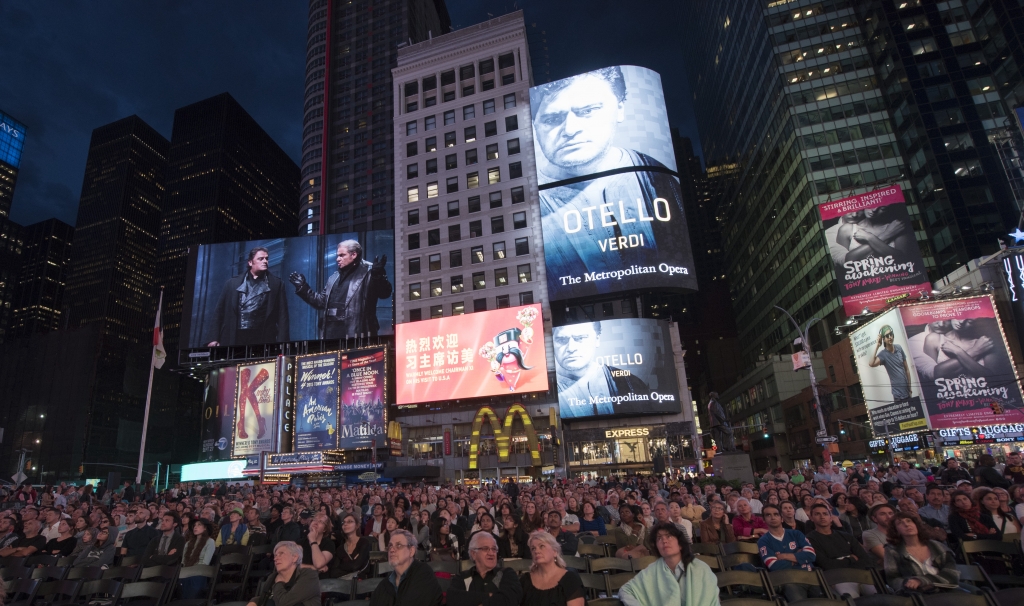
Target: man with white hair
755	504
485	584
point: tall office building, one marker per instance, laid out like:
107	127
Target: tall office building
227	180
348	179
12	141
43	274
467	235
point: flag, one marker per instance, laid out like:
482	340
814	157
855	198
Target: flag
159	353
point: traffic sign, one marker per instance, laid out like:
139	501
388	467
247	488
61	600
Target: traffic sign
826	439
821	433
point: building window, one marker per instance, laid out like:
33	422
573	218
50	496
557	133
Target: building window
430	145
518	220
468	90
515	170
451	185
415	291
410	149
522	246
497	224
435	288
524	273
922	46
471	157
432	189
510	100
474	204
476	255
430	123
627	307
501	277
498	248
449	117
434	262
458	309
490	129
508	79
414	216
415	315
433	212
518	195
470	132
453	209
430	101
412	171
454	233
410	128
479	281
967	168
493	175
479	305
489	106
455	258
414	266
414	193
492	151
608	309
501	301
468	112
456	284
451	161
511	123
431	166
513	146
526	298
473	180
433	237
495	198
414	241
449	139
436	311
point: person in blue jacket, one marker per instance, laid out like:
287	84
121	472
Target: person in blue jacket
782	549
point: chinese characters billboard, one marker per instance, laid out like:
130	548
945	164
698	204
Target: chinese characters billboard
611	205
316	402
482	354
363	398
874	252
255	409
290	289
615	367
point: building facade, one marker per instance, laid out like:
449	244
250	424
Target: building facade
347	166
12	142
42	277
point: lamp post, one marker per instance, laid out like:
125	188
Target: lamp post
805	342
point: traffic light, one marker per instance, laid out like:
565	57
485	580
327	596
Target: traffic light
997	408
842	430
764	431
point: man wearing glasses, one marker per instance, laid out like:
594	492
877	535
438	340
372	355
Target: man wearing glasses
485	584
411	582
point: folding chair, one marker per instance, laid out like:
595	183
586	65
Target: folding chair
260	565
778	578
641	563
191	572
609	543
50	573
733	560
1008	597
450	567
593	551
615	581
706	548
953	598
85	573
383	569
378	556
108	590
713	562
365	586
59	591
884	599
228	549
739	547
66	561
22	592
12	562
852	575
233	569
143	593
334	591
594	584
577	563
976	576
520	566
128	574
10	573
465	565
1007	554
739	583
130	560
616	564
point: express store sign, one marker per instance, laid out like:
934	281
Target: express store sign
985	434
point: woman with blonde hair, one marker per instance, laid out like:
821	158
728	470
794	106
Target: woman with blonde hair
549	582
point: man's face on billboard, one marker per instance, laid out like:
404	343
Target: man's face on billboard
575	126
575	347
259	263
345	257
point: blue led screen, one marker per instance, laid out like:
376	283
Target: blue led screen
12	140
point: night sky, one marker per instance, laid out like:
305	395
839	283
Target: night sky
69	67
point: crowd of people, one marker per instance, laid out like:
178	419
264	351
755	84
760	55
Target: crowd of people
904	521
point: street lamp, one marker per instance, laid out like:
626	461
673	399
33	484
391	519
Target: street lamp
806	343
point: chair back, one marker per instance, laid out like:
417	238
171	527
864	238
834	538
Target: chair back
465	565
122	573
65	561
883	599
10	573
519	565
147	592
50	573
101	588
739	547
594	551
735	559
618	564
974	574
336	589
953	598
365	586
706	548
450	567
85	573
728	579
643	562
849	575
227	549
594	583
1008	597
615	581
12	561
234	559
68	590
199	570
383	569
23	591
167	573
130	560
778	578
713	562
577	563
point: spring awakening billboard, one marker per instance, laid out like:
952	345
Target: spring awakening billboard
255	425
290	289
956	356
875	254
363	398
482	354
611	206
317	392
615	367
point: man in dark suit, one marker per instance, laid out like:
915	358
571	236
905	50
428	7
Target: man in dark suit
253	308
165	549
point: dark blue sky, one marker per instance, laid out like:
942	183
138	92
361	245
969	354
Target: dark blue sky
70	67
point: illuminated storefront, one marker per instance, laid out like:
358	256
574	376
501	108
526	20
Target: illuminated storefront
969	443
632	449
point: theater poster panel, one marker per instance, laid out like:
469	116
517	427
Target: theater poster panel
276	290
218	414
892	390
482	354
876	257
255	400
615	367
363	398
962	360
611	206
318	387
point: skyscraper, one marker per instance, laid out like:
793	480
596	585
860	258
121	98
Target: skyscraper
347	181
227	180
12	140
45	266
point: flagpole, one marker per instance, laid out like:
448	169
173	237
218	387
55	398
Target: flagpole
157	339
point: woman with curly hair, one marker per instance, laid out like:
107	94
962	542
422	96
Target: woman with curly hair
914	563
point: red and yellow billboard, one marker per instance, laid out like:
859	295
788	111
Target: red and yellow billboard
482	354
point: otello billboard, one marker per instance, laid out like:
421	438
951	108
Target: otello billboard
874	252
611	205
218	413
952	353
482	354
290	289
615	367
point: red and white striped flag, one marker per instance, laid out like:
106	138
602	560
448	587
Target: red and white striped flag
159	353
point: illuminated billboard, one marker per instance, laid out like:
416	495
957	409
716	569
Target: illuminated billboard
255	425
873	248
317	393
482	354
611	204
363	398
958	361
615	367
290	289
220	470
218	414
12	140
